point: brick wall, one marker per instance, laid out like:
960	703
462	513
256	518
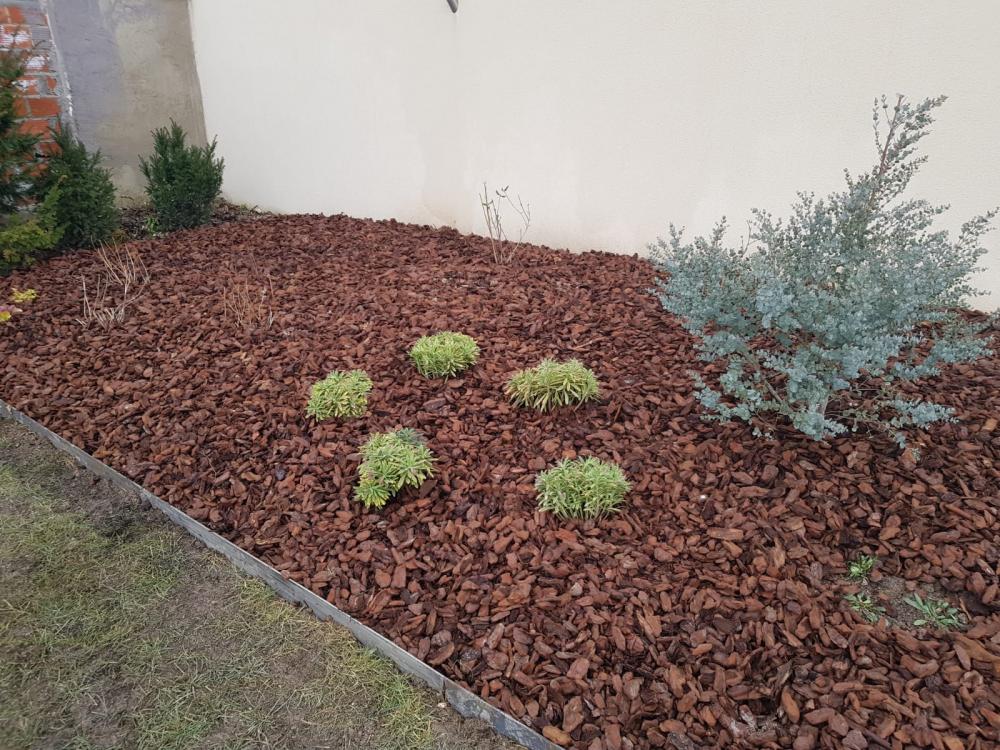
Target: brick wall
25	24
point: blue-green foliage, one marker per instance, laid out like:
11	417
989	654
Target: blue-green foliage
821	315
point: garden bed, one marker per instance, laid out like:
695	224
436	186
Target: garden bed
709	611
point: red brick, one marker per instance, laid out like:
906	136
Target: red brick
35	126
21	107
14	14
47	106
28	85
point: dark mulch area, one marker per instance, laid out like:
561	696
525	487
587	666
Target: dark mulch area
134	219
709	613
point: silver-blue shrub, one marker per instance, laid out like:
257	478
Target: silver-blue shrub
819	316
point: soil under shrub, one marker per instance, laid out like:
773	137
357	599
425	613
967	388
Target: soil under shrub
709	612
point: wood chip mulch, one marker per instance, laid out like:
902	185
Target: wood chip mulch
709	613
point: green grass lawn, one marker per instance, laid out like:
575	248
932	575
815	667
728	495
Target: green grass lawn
118	631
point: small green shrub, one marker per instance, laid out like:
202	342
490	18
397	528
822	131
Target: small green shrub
86	204
339	394
859	568
553	384
392	462
863	604
581	488
820	317
182	181
444	354
23	239
935	613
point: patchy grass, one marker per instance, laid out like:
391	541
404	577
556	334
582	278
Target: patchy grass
116	630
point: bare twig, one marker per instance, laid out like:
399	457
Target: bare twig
504	251
248	297
121	283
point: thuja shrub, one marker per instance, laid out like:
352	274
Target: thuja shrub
182	181
17	148
551	384
444	354
820	317
392	461
581	488
86	199
339	394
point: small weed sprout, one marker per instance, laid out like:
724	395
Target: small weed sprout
862	604
581	488
392	461
859	568
553	384
935	613
504	251
339	394
444	354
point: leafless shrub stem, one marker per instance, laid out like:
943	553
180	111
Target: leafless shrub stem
504	249
118	286
248	297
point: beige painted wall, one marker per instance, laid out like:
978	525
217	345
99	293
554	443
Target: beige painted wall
130	68
612	119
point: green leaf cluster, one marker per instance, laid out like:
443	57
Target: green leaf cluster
182	181
581	488
859	568
820	317
935	613
864	605
86	198
339	394
444	354
391	462
552	384
24	238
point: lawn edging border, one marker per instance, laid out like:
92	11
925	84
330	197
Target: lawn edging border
465	702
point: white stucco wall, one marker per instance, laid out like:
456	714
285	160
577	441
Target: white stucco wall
611	118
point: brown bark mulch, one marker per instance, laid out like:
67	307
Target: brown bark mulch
709	613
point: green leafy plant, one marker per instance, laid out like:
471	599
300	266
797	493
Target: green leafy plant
339	394
17	148
86	199
182	181
444	354
859	568
551	384
18	297
862	604
391	462
24	238
935	613
820	317
581	488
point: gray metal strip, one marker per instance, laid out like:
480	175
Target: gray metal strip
466	703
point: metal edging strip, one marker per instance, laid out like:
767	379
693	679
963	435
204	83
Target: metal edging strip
462	700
